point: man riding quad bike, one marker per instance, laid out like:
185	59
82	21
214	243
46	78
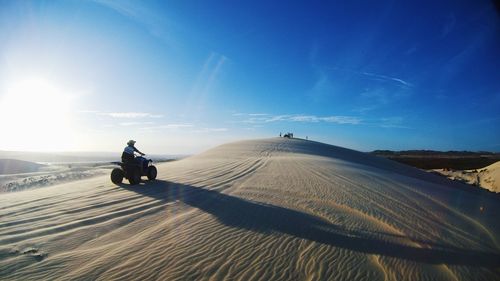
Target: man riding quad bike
132	168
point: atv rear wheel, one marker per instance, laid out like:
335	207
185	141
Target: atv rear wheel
152	172
135	177
117	176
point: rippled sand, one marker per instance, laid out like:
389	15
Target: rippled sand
274	209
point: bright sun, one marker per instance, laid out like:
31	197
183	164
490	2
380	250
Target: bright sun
35	115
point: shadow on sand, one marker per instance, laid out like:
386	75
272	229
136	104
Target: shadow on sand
264	218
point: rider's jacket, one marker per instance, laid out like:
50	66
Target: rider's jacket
128	154
130	149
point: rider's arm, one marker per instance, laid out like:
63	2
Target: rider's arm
137	150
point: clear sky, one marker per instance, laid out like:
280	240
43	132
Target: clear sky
183	76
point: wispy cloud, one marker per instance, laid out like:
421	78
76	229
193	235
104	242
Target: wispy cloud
383	122
353	120
392	122
207	77
375	76
387	78
323	87
365	108
129	114
126	124
257	114
210	130
378	97
124	115
337	82
173	126
342	120
156	24
219	60
323	84
186	127
249	114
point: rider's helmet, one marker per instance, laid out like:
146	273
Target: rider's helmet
131	142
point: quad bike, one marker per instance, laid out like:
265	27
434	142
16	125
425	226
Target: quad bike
134	171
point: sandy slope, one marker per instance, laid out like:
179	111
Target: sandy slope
487	177
274	209
490	177
13	166
52	174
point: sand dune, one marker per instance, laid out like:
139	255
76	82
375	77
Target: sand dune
31	175
13	166
274	209
487	177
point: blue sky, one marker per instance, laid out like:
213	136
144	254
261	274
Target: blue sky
183	76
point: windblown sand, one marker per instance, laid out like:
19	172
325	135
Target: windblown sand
274	209
487	177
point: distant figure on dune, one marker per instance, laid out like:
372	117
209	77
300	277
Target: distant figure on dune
128	153
280	134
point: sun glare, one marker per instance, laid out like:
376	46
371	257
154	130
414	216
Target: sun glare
35	115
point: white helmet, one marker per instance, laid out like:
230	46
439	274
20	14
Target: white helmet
131	142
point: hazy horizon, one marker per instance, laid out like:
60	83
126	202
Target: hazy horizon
117	151
183	77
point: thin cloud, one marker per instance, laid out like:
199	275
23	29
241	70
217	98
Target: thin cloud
157	25
257	114
304	118
205	80
394	122
374	99
380	96
210	130
127	124
323	84
376	76
352	120
387	78
166	127
364	109
215	71
130	114
249	114
342	120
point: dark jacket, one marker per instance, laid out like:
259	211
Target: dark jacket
128	154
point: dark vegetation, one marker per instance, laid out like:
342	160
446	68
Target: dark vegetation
429	159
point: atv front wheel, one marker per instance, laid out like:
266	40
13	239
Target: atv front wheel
152	172
117	176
